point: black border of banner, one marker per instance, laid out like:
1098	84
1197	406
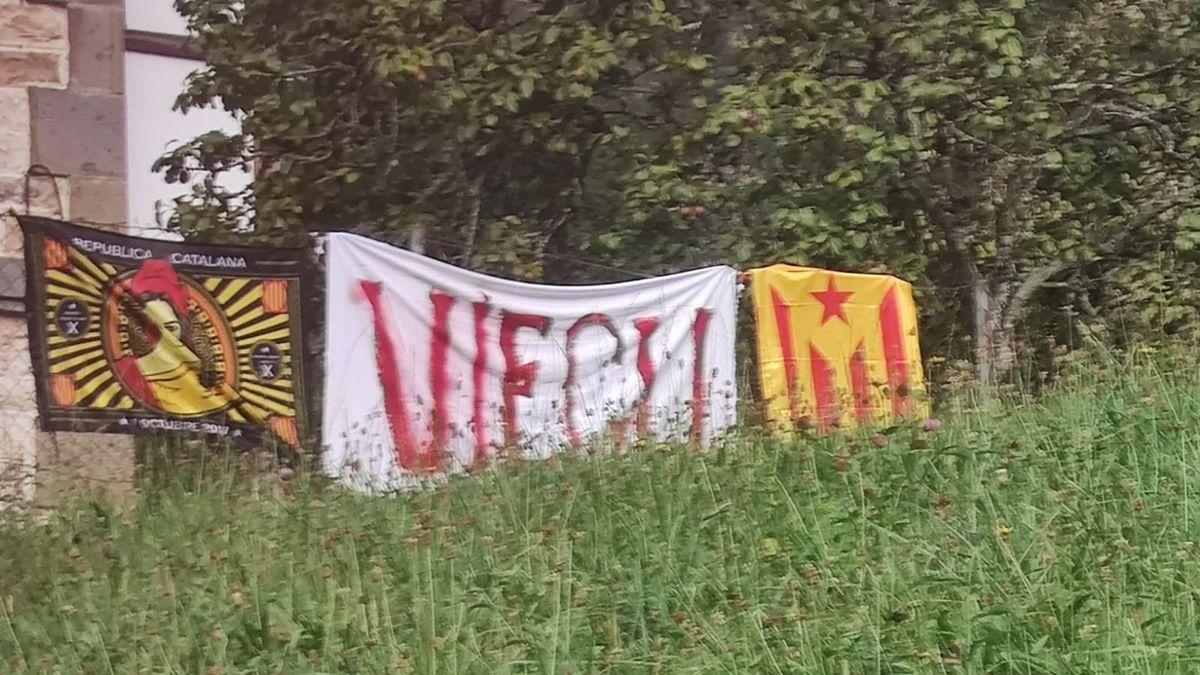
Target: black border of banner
298	262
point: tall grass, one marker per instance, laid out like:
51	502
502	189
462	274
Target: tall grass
1051	536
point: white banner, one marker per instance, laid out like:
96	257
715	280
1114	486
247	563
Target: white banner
430	368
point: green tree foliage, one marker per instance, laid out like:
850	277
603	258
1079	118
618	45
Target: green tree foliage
1012	159
989	149
475	121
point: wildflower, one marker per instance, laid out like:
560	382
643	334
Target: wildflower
941	505
841	464
770	547
931	424
1005	529
1002	476
68	610
879	440
812	575
580	596
797	614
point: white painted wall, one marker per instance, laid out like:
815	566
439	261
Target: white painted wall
152	128
156	16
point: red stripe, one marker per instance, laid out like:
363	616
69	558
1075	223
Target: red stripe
860	383
645	328
595	319
699	385
824	391
388	365
479	379
518	376
893	351
783	327
439	381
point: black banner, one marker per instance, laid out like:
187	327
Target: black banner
133	335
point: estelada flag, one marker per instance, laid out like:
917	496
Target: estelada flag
835	348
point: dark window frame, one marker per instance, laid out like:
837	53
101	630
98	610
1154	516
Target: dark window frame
162	44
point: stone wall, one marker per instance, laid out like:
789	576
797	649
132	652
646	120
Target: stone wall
61	109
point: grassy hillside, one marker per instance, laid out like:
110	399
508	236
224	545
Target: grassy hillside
1057	536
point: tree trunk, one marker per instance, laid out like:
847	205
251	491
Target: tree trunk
474	197
416	239
993	333
983	331
991	340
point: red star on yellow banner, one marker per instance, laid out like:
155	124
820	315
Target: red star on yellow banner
834	302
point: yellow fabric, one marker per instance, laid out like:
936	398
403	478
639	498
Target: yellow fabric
180	392
172	370
834	331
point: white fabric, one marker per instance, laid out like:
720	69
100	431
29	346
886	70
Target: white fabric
359	445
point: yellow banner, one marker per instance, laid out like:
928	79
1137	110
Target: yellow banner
836	349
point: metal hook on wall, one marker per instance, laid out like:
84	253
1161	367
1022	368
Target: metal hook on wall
42	171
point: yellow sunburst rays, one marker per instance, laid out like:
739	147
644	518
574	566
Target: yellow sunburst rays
273	396
82	358
242	302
